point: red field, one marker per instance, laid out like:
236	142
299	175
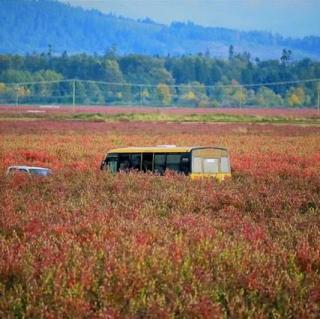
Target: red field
83	243
294	112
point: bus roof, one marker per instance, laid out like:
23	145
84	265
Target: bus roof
161	149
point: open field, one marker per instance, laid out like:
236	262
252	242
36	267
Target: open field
305	116
85	243
285	112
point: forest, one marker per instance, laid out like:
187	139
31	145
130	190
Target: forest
188	80
29	26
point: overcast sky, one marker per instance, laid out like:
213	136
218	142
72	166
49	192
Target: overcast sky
288	17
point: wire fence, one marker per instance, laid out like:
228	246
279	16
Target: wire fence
302	93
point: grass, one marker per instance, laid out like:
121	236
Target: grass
164	117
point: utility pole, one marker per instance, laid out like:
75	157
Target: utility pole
318	98
140	91
74	95
17	95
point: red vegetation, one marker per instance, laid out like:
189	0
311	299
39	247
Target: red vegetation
286	112
84	243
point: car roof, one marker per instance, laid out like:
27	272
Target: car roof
27	167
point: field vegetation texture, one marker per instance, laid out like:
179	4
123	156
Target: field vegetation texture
88	244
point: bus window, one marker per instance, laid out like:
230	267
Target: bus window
197	165
185	164
147	159
135	161
173	162
123	162
112	163
159	163
210	165
225	165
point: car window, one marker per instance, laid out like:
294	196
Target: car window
39	172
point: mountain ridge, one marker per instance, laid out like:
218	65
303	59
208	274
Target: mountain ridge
32	26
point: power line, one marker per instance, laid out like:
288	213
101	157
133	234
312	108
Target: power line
122	84
75	91
37	82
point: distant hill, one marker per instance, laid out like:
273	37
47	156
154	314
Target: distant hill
29	26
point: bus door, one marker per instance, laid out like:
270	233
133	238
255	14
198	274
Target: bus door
111	163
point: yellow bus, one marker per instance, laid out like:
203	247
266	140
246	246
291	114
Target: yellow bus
194	161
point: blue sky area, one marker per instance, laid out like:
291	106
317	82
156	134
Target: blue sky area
294	18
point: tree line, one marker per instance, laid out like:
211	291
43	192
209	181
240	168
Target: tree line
190	80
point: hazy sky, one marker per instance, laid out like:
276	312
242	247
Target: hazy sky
288	17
